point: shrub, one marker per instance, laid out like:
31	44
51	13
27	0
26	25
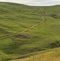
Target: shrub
55	44
55	16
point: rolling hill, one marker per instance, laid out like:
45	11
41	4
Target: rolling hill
25	30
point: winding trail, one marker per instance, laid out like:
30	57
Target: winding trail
26	30
30	28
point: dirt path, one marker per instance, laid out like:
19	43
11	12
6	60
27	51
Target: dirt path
26	30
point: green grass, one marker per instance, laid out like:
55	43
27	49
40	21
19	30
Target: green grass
50	55
17	18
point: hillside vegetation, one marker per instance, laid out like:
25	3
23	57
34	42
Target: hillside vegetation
25	30
50	55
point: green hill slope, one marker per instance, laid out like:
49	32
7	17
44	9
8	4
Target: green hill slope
50	55
25	29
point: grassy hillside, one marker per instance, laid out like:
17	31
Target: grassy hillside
25	30
50	55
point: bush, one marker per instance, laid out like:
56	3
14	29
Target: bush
55	44
55	16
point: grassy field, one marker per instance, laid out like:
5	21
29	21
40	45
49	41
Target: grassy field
50	55
26	29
